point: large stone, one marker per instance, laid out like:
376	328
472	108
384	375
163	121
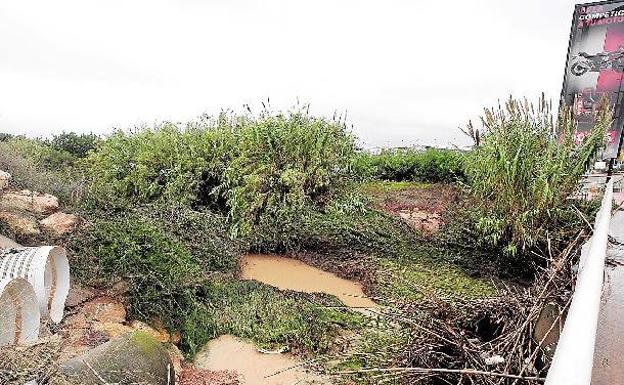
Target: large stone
59	224
78	295
5	180
26	200
160	334
21	225
135	358
548	327
113	330
105	310
7	243
45	203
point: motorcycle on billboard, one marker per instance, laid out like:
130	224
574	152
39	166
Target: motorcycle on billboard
595	68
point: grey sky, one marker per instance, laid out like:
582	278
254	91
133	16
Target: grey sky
405	71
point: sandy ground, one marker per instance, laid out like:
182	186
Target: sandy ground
254	368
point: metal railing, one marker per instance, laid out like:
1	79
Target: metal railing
574	357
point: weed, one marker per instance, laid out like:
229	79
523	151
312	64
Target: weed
523	170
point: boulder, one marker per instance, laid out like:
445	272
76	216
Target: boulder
20	225
59	224
135	358
26	200
8	243
105	310
160	334
78	295
44	203
5	180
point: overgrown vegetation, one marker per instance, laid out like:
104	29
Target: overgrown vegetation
431	165
523	170
188	282
260	171
169	210
29	164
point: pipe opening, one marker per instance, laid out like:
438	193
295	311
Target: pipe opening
19	312
47	270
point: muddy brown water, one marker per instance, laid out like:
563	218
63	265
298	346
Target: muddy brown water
254	368
291	274
257	368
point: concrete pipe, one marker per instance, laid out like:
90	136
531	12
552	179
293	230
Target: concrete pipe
47	270
134	358
19	312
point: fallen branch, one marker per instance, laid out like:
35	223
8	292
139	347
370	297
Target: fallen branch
438	370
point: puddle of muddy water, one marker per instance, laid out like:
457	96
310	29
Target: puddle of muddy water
291	274
254	368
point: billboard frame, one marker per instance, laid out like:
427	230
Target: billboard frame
618	103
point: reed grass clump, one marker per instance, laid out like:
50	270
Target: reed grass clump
523	168
260	171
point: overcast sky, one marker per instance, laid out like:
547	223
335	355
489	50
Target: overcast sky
406	72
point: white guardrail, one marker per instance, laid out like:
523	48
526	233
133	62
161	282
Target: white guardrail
574	357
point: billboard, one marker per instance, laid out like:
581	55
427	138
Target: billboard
595	68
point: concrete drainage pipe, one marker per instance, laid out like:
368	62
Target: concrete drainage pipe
19	312
47	270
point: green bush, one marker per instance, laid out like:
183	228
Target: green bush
523	170
285	164
40	152
432	165
78	145
166	162
28	173
258	170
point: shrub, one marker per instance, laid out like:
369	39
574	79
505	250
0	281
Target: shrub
523	170
165	162
78	145
284	164
40	152
27	173
432	165
258	170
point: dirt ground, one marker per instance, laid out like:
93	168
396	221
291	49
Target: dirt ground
420	205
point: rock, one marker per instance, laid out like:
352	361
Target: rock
161	335
26	200
78	296
133	358
59	224
8	243
20	224
76	322
45	203
105	310
176	356
5	180
112	329
16	201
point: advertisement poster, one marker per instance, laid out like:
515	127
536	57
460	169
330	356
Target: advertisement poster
595	67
